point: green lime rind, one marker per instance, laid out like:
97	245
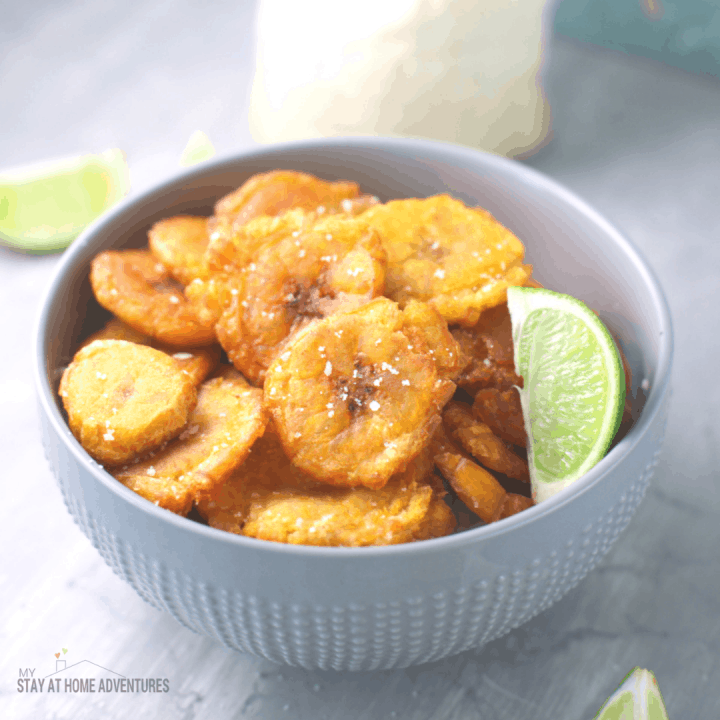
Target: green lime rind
44	207
637	698
573	386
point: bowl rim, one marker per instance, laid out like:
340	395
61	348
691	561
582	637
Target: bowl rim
446	153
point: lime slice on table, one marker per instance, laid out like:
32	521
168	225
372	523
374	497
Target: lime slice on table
574	386
637	698
43	207
198	149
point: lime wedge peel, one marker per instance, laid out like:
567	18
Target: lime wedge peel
574	386
637	698
44	206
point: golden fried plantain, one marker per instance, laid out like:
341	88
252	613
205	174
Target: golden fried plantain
474	485
274	192
458	259
353	399
354	206
139	290
116	329
266	468
489	346
277	274
514	504
501	410
198	363
179	243
124	399
480	441
228	418
532	282
208	299
425	326
269	498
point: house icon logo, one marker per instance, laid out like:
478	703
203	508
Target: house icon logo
60	664
86	676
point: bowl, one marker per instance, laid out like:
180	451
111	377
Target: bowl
378	607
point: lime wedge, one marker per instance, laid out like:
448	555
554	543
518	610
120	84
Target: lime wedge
574	386
44	207
637	698
198	149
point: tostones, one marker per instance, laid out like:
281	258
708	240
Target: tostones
489	347
273	193
353	399
482	443
133	285
277	274
124	399
459	259
217	438
501	410
198	362
179	243
271	499
424	326
475	486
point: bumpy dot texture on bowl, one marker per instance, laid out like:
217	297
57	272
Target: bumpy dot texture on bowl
363	636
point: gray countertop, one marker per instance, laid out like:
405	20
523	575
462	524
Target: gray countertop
638	140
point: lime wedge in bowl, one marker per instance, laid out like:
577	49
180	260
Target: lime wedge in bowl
43	207
573	386
637	698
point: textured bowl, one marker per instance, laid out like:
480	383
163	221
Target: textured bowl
366	608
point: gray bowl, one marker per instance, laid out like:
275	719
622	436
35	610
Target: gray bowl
383	607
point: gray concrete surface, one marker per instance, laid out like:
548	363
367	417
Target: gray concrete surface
638	140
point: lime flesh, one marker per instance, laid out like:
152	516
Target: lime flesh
198	149
637	698
573	386
44	207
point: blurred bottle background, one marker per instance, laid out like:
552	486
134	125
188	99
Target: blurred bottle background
142	77
465	71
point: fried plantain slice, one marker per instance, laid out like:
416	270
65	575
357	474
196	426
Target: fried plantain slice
459	259
353	399
198	363
501	410
353	206
124	399
474	485
116	329
489	346
208	299
179	243
228	418
532	282
139	290
292	269
425	326
439	521
266	469
270	499
480	441
274	192
514	504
